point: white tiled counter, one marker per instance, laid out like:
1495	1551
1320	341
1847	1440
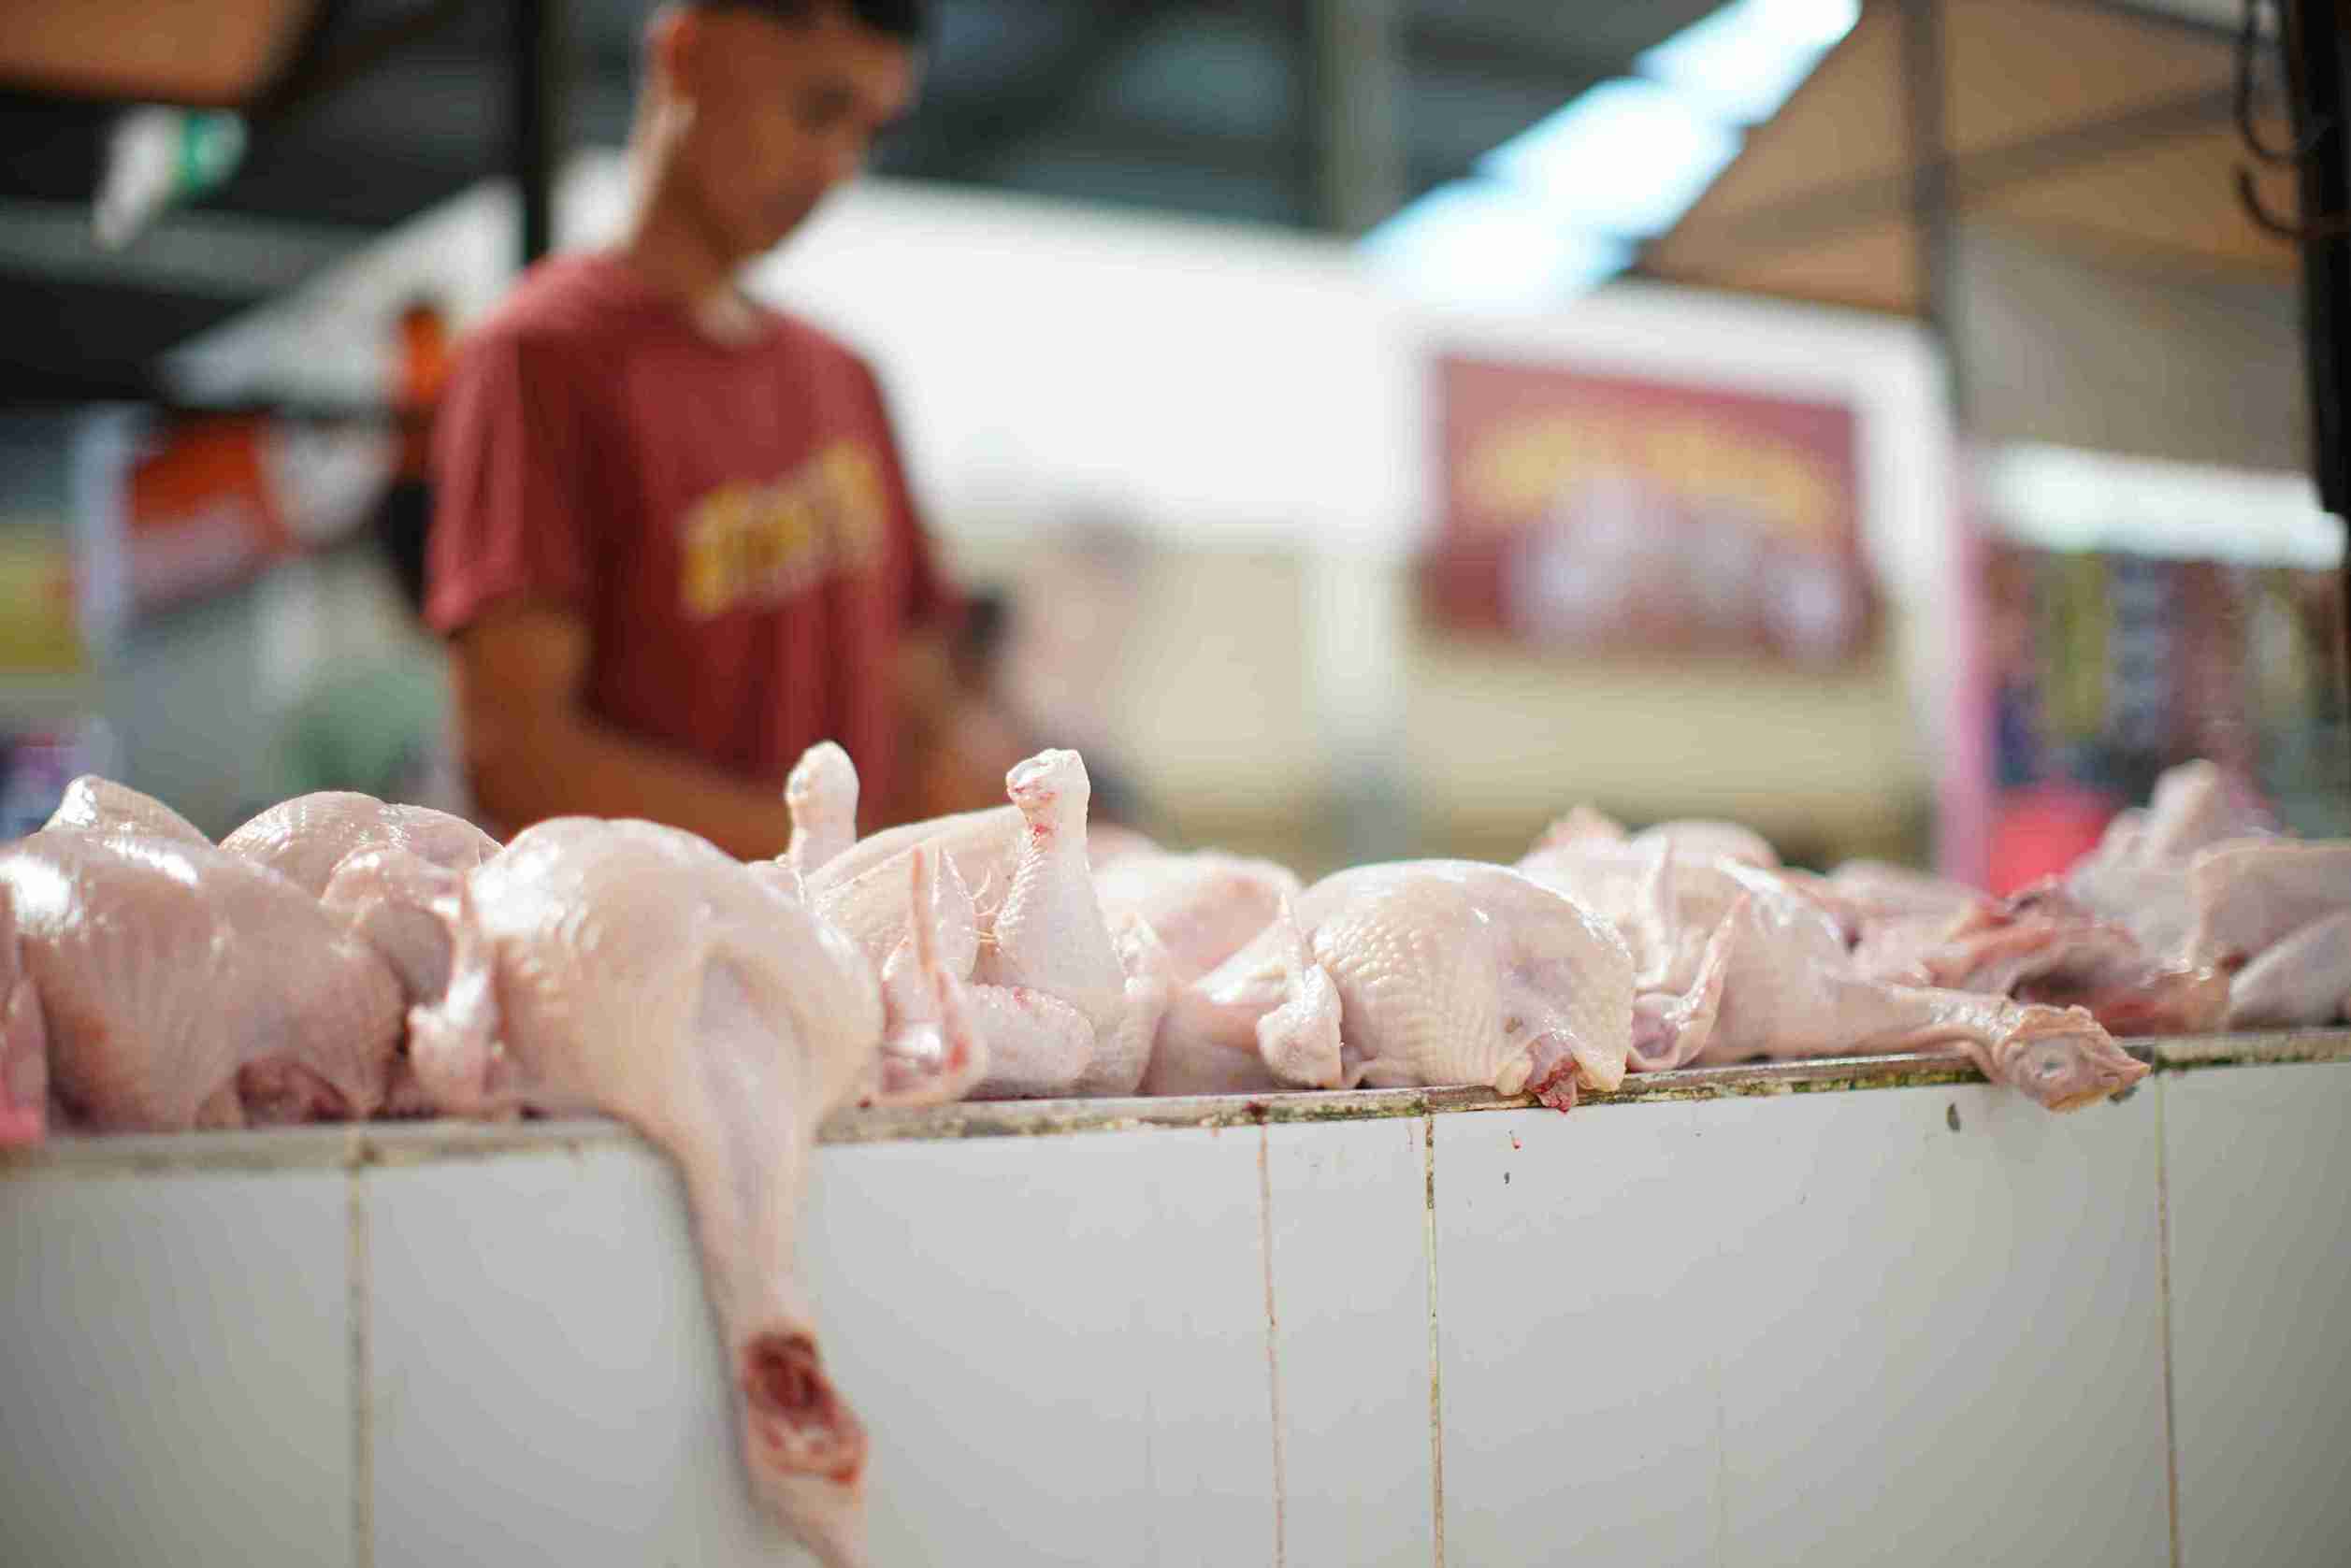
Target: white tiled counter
1841	1312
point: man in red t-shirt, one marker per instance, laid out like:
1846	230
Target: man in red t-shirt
673	545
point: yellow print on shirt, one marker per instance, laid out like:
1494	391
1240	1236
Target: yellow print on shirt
761	543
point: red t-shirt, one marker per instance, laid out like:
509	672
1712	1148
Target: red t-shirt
731	521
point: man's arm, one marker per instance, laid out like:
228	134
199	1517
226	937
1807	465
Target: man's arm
956	745
532	749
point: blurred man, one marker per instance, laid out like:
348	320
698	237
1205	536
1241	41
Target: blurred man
673	545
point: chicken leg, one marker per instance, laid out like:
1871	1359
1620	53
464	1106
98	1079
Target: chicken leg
1050	935
821	793
640	971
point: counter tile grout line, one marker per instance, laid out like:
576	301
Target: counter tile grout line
356	1275
2163	1283
1437	1365
1273	1344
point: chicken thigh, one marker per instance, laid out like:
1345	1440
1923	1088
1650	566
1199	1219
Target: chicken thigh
159	984
639	970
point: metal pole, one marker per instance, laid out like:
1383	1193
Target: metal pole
535	60
1354	131
2319	58
1356	613
2318	61
1931	193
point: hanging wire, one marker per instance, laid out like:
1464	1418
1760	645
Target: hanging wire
2290	156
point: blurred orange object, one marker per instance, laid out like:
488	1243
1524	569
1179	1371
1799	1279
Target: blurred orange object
420	369
201	511
2041	830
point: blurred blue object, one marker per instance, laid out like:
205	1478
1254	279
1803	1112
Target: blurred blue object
1627	158
1563	206
1741	63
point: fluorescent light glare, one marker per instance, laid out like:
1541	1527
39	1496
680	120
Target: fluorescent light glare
1478	242
1742	62
1628	158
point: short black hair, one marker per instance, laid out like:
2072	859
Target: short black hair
897	19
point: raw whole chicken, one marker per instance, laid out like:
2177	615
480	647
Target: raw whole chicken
306	839
1106	842
1203	907
1063	1001
2042	946
2277	914
97	805
2138	875
1692	838
1416	972
1742	966
639	970
390	872
158	984
2301	979
2196	879
1881	891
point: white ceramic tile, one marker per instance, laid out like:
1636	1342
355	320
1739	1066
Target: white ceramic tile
1352	1299
546	1375
176	1383
1935	1345
1575	1313
1820	1330
1058	1343
2257	1170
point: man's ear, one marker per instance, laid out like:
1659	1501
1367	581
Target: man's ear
674	47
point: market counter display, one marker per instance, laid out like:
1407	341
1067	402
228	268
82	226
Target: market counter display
869	1009
1825	1311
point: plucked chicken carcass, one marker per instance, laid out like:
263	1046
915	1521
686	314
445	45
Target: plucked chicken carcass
639	970
2277	915
389	872
1692	838
1062	1000
1107	842
157	983
1416	972
1735	964
2138	875
2043	946
306	839
97	805
1203	907
2196	876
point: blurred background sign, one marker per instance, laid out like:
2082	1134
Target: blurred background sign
1608	515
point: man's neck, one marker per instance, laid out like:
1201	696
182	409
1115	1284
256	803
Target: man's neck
670	251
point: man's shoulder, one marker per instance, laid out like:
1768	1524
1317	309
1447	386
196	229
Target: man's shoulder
560	304
802	339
